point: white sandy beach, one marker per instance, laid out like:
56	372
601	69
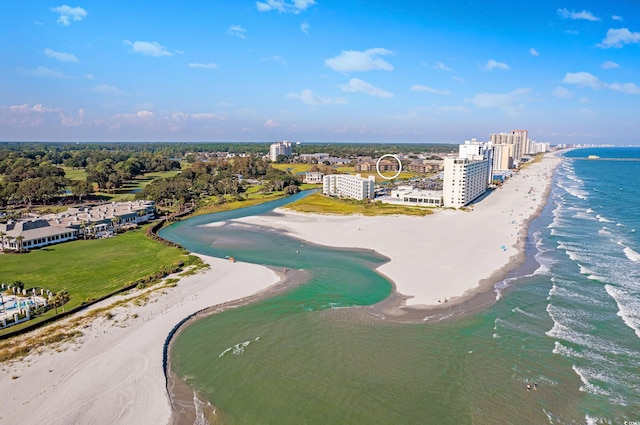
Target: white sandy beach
441	256
114	374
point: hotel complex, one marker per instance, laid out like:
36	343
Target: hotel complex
348	186
465	178
96	221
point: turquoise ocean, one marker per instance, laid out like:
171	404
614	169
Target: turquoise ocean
568	321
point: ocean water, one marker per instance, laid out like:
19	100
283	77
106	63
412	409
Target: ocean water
568	321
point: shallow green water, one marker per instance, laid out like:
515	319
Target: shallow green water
300	358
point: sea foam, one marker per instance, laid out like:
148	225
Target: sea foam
628	307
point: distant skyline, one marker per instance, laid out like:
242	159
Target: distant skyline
319	71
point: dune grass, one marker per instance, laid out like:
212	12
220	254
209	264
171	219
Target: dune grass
320	204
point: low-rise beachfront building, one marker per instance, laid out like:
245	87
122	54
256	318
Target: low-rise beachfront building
348	186
425	166
95	221
408	195
464	180
25	235
313	177
383	165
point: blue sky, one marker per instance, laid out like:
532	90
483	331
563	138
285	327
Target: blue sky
319	70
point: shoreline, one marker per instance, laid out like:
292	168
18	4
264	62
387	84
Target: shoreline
126	354
184	399
462	255
393	308
113	373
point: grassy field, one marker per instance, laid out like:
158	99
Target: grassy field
74	173
90	269
129	188
293	168
320	204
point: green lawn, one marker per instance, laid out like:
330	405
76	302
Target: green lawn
129	188
320	204
90	269
74	173
293	168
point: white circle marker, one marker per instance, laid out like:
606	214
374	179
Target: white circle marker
378	166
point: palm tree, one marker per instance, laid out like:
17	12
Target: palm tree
114	223
19	239
59	299
9	238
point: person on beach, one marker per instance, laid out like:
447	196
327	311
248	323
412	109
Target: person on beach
528	387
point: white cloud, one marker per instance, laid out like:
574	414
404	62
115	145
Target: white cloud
572	32
304	27
628	88
491	65
458	79
533	52
352	60
149	48
108	90
205	116
271	124
209	65
508	102
610	65
583	79
616	18
68	14
283	6
38	115
43	72
564	13
139	114
237	31
71	121
62	57
426	89
441	67
619	37
89	77
356	85
562	93
310	98
42	109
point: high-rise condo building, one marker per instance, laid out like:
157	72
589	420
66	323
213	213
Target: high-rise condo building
518	138
279	148
464	180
